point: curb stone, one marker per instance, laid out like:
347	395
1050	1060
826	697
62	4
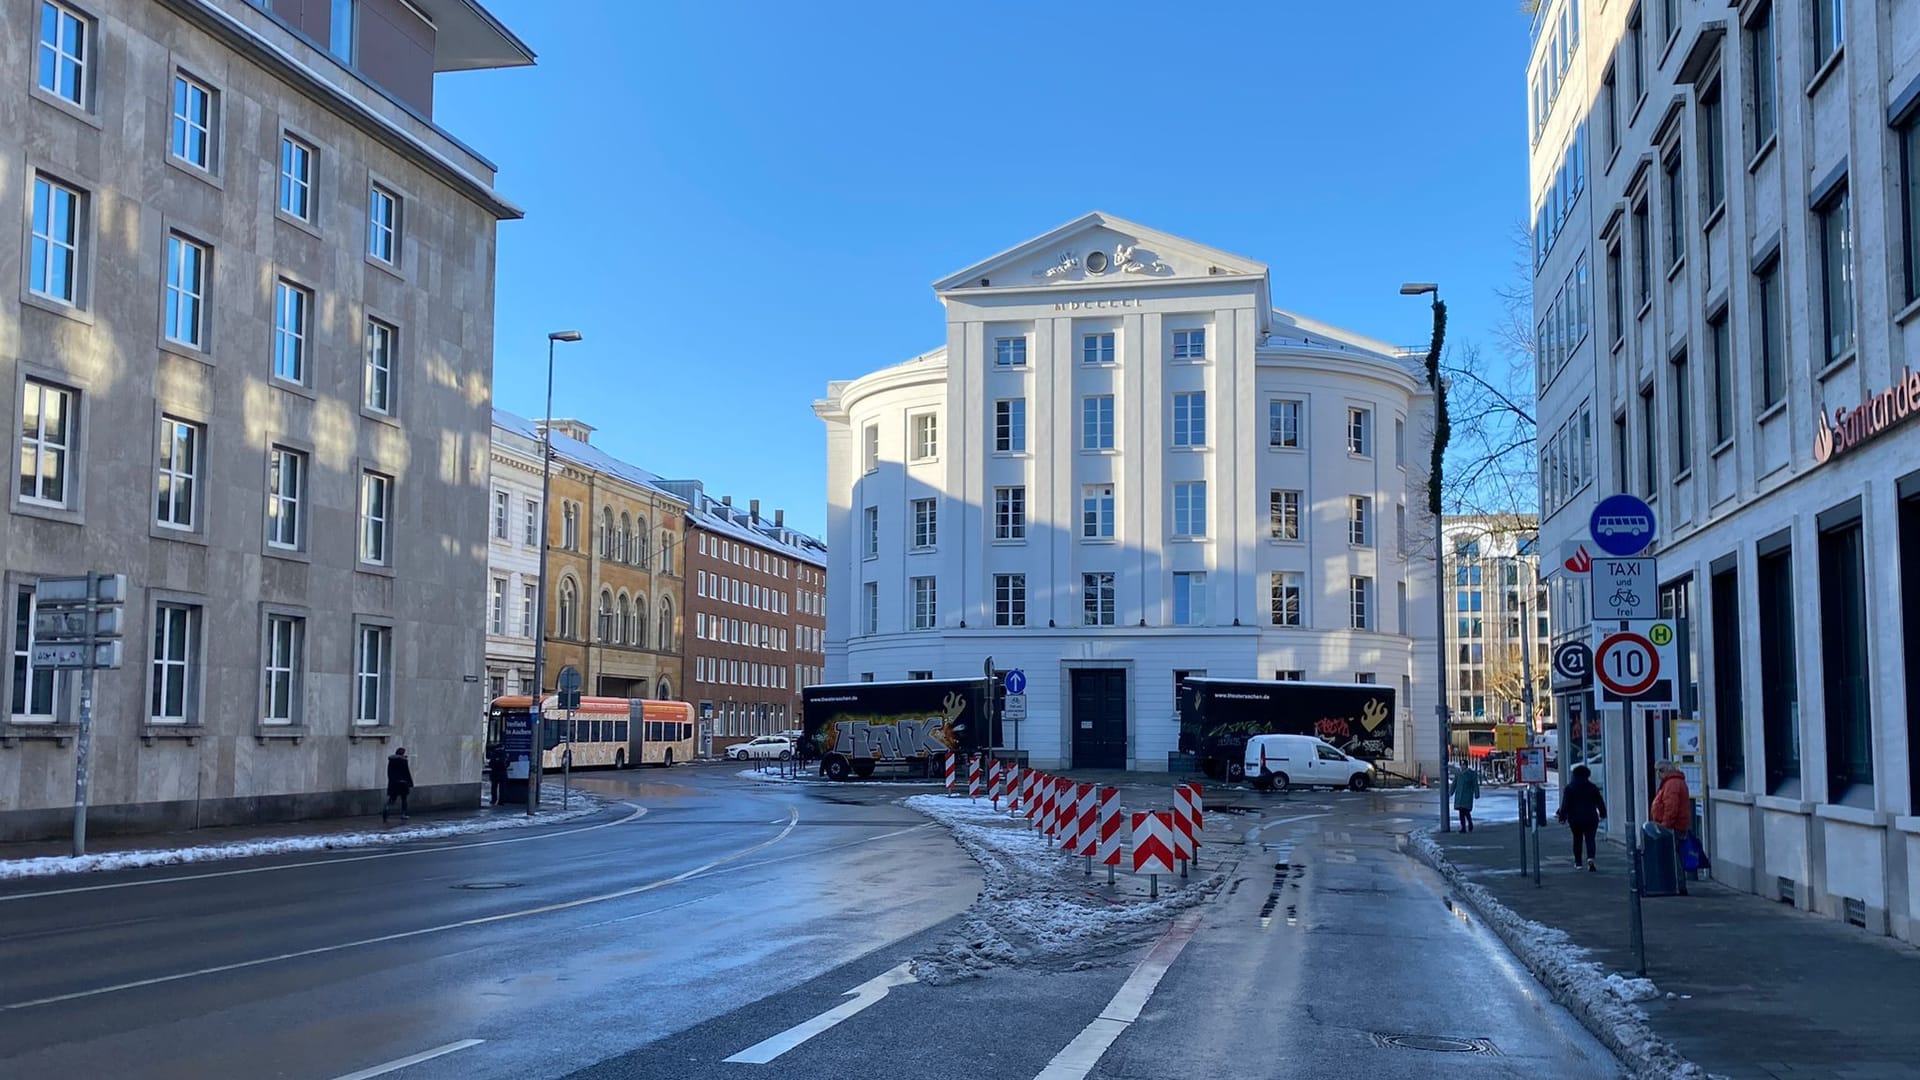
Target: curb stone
1577	985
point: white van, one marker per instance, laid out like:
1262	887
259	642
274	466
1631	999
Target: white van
1284	761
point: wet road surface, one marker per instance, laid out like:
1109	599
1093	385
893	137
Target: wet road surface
713	918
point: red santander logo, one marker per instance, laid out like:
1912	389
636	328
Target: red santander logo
1580	562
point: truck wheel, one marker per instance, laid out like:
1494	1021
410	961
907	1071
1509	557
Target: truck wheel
835	767
863	768
1359	782
1236	771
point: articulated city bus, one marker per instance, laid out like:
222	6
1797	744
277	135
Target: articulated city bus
607	731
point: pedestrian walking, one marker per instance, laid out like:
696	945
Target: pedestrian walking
1672	810
1466	788
399	784
496	771
1583	808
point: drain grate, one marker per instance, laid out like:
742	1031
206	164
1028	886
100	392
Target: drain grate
1438	1044
483	885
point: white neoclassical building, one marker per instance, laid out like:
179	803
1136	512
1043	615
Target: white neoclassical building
1123	466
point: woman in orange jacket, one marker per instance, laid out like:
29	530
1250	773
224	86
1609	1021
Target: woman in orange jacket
1672	803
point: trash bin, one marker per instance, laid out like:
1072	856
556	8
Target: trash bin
1659	861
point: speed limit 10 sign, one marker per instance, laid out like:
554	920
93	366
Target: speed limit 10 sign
1638	663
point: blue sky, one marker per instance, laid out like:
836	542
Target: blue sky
738	203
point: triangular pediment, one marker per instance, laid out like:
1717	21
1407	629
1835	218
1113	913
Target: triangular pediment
1099	249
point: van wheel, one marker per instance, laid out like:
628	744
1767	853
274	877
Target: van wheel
1236	771
1359	782
835	768
1281	782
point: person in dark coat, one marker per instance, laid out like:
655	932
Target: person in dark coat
399	784
1582	807
496	770
1466	788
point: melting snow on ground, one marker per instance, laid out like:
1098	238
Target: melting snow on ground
1037	908
582	805
1603	1000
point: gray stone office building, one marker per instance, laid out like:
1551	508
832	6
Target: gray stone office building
246	349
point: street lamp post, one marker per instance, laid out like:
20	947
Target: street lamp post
540	587
1421	288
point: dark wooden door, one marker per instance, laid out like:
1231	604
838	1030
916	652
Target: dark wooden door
1099	719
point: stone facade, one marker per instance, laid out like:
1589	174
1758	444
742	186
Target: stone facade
378	571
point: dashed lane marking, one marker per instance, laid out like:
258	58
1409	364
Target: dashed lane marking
1087	1048
412	1059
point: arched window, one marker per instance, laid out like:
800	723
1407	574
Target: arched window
606	615
569	609
623	625
606	532
666	625
623	543
642	545
569	527
665	691
666	552
640	620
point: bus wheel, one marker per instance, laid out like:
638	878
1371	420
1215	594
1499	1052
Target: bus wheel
667	762
835	767
619	759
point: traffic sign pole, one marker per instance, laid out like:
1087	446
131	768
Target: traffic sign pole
83	741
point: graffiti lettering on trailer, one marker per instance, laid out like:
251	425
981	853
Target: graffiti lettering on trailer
907	738
1333	727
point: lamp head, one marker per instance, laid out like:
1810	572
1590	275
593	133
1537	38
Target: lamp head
1417	288
564	335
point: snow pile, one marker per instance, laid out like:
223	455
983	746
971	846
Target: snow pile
1600	999
1037	907
582	804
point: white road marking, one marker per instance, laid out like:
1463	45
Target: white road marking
412	1059
565	905
1254	832
1088	1047
638	812
865	996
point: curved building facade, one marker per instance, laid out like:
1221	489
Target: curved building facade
1124	466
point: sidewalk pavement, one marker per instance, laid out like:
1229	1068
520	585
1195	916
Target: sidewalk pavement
1752	988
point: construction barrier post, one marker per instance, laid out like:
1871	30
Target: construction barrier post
973	777
993	782
950	771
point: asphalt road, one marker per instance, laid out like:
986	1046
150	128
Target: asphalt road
710	917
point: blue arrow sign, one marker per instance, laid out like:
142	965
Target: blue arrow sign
1016	681
1622	525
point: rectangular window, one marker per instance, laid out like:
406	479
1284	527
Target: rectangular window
1360	602
501	501
1096	512
1642	255
1909	140
186	291
292	310
1720	341
1190	508
1779	689
340	28
376	509
1360	520
54	264
1610	108
1713	150
1290	675
870	608
1010	513
1096	348
1637	42
65	53
1009	599
1670	18
1283	514
280	667
1010	352
1096	422
497	607
1400	443
286	497
1189	598
925	603
35	689
870	448
1287	591
378	392
1616	295
383	225
1680	399
1762	75
177	484
176	652
533	523
923	437
1843	634
1676	211
1097	599
529	599
1771	334
1360	432
48	438
1190	344
1283	423
373	662
296	178
1729	732
872	530
1829	29
1190	419
1836	273
1010	426
926	522
191	138
1649	444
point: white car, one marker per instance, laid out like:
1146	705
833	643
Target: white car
1284	761
766	746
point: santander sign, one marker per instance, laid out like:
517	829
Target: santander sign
1848	428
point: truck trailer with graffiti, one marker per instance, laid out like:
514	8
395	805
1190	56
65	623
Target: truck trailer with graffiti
854	728
1218	716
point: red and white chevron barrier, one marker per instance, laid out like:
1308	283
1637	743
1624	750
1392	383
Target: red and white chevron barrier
1107	849
950	767
973	776
1036	797
994	775
1153	842
1182	828
1087	831
1017	789
1063	816
1199	815
1043	818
